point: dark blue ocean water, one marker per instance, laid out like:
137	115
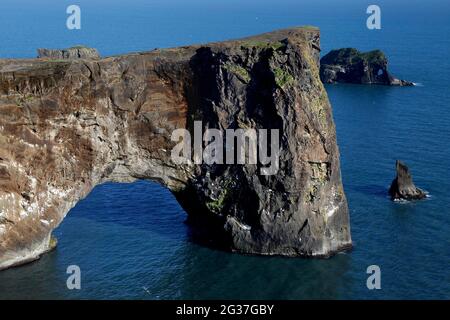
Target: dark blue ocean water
130	241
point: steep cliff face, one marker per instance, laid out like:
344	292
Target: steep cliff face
67	126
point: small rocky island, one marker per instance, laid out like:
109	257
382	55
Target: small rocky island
70	121
349	65
403	188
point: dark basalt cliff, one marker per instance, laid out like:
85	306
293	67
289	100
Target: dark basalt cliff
69	125
348	65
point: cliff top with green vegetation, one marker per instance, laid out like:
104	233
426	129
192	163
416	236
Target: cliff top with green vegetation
352	55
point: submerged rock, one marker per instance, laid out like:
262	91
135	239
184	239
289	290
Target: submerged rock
67	127
78	52
349	65
403	187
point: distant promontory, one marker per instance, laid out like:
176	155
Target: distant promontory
348	65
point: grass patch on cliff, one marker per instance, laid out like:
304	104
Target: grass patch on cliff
317	106
309	27
79	46
274	45
239	71
217	205
318	101
283	78
374	57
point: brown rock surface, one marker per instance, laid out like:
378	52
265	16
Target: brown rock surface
78	52
67	126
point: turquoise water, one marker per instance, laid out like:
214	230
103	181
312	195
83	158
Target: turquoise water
130	240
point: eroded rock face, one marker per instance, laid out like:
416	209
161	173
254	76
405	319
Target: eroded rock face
348	65
402	187
66	127
79	52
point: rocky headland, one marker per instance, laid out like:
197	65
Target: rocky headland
348	65
69	122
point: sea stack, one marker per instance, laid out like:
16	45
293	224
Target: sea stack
69	125
402	187
348	65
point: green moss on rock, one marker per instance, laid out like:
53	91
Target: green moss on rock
53	242
217	205
274	45
283	78
238	71
309	27
351	55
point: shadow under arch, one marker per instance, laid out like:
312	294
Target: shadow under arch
131	241
154	252
146	205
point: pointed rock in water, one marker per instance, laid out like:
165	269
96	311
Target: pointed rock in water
67	126
349	65
403	187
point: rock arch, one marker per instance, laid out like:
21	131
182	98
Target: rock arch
68	125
